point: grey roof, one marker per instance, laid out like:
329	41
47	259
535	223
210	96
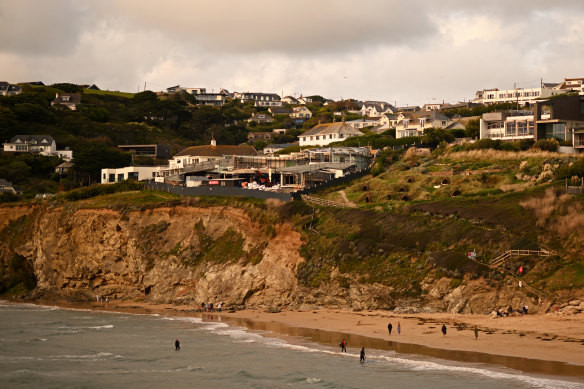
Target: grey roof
4	183
316	166
4	85
47	139
332	128
280	145
74	98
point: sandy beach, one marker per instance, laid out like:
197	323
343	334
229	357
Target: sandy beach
549	343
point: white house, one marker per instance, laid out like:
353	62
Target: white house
301	113
521	96
376	108
41	144
7	89
289	100
69	100
6	186
509	125
260	99
304	100
138	173
414	124
323	134
362	123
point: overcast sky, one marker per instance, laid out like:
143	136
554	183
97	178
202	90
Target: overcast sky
409	52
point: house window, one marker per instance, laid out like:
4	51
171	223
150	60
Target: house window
341	135
104	176
121	177
112	177
317	137
311	138
133	176
510	129
21	148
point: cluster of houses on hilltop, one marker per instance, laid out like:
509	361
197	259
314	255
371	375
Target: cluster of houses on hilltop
239	166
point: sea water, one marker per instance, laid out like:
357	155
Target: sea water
50	347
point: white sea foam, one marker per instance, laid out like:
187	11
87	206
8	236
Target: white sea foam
101	327
242	335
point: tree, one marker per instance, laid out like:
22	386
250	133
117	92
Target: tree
29	112
67	87
473	128
90	158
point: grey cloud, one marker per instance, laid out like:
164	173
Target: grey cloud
301	26
41	27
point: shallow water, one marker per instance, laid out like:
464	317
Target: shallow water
49	347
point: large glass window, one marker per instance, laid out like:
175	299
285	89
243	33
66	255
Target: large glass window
511	128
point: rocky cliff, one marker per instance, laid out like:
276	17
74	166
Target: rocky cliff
188	254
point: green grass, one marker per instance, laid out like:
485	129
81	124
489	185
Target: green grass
124	199
107	92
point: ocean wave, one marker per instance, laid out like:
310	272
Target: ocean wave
241	334
85	357
101	327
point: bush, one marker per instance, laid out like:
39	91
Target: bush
547	145
483	144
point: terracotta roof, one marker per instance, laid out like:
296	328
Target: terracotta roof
217	151
332	128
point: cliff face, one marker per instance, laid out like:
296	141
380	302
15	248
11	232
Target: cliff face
181	254
189	255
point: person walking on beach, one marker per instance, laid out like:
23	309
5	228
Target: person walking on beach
220	306
444	329
202	307
176	345
343	345
389	328
362	356
476	332
398	328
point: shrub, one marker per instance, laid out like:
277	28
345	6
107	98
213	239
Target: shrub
547	145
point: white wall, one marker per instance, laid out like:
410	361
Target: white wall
144	173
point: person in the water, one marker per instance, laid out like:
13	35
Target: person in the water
362	356
176	345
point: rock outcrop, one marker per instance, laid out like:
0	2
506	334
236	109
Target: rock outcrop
187	254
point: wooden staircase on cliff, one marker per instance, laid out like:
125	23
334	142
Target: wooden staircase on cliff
501	259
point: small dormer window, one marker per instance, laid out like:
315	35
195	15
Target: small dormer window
66	98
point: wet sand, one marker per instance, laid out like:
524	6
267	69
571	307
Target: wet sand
538	344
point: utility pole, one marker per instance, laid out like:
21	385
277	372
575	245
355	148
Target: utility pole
144	85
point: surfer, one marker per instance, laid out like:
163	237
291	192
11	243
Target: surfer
389	328
476	332
176	345
398	328
362	356
343	345
444	329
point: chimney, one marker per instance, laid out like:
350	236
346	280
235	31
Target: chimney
213	141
